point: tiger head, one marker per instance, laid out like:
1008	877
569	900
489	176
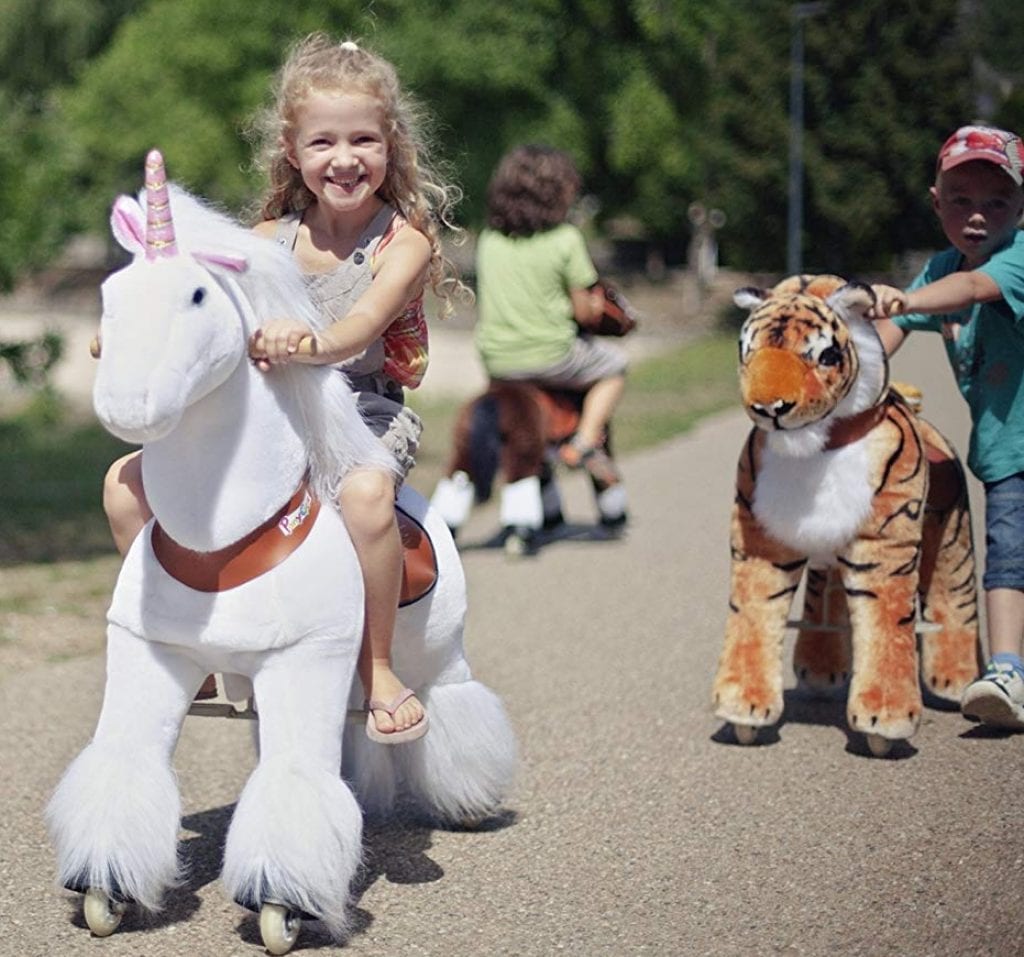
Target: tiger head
808	357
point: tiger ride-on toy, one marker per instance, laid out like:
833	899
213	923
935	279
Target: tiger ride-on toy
517	428
841	480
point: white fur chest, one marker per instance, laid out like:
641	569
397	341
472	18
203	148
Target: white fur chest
815	505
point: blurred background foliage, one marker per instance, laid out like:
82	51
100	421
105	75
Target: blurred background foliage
662	102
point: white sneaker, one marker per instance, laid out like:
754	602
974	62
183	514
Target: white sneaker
996	698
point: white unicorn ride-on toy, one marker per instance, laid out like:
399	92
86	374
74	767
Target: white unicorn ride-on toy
247	570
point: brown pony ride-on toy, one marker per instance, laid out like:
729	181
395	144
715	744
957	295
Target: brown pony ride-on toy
841	479
517	428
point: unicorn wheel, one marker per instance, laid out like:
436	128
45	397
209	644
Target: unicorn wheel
279	928
745	733
101	913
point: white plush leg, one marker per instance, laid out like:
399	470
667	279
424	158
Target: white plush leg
237	688
521	504
296	834
453	499
114	816
611	503
370	769
463	767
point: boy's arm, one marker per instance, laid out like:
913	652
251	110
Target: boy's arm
892	336
889	301
952	293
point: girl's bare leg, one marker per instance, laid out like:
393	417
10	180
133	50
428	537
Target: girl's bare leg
367	503
124	500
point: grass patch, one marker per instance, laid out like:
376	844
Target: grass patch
667	395
53	470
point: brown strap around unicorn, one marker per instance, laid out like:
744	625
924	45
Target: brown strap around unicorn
267	546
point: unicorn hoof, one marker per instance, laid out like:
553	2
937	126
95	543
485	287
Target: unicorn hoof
279	928
101	913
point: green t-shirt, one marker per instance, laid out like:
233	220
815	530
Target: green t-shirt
524	310
987	358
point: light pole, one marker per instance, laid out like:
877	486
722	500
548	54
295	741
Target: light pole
795	224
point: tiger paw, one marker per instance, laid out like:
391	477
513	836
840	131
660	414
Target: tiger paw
822	661
948	666
891	712
750	707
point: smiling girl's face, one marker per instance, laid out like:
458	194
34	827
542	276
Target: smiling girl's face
340	149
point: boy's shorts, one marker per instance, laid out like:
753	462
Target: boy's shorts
588	361
1004	533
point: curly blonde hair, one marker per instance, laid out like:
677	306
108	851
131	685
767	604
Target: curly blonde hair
413	183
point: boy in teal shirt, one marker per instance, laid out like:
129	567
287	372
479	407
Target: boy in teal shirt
973	293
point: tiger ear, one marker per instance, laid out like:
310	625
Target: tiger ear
854	298
749	297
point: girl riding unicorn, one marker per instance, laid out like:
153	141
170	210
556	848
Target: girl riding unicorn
353	195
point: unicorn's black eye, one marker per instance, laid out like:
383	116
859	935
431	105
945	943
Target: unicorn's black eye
832	356
198	296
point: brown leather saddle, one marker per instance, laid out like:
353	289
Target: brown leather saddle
267	546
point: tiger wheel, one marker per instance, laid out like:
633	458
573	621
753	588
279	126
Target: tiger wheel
878	745
745	734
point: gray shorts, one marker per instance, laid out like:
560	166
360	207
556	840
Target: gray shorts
395	424
589	360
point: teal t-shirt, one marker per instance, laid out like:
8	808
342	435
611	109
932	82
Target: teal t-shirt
524	312
987	358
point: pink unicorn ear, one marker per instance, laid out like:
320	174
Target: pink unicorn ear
222	260
128	225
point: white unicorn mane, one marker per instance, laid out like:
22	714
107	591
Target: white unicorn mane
338	440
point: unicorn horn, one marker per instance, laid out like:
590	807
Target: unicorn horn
159	224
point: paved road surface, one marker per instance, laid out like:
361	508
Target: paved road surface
636	827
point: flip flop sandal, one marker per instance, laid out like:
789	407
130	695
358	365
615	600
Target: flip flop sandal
394	737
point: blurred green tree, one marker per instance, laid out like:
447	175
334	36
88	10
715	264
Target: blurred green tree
661	102
885	84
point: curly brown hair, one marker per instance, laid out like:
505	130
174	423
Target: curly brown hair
532	190
413	183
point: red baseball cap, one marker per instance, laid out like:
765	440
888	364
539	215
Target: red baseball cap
984	143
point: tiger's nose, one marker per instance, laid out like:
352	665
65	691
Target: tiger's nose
772	410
